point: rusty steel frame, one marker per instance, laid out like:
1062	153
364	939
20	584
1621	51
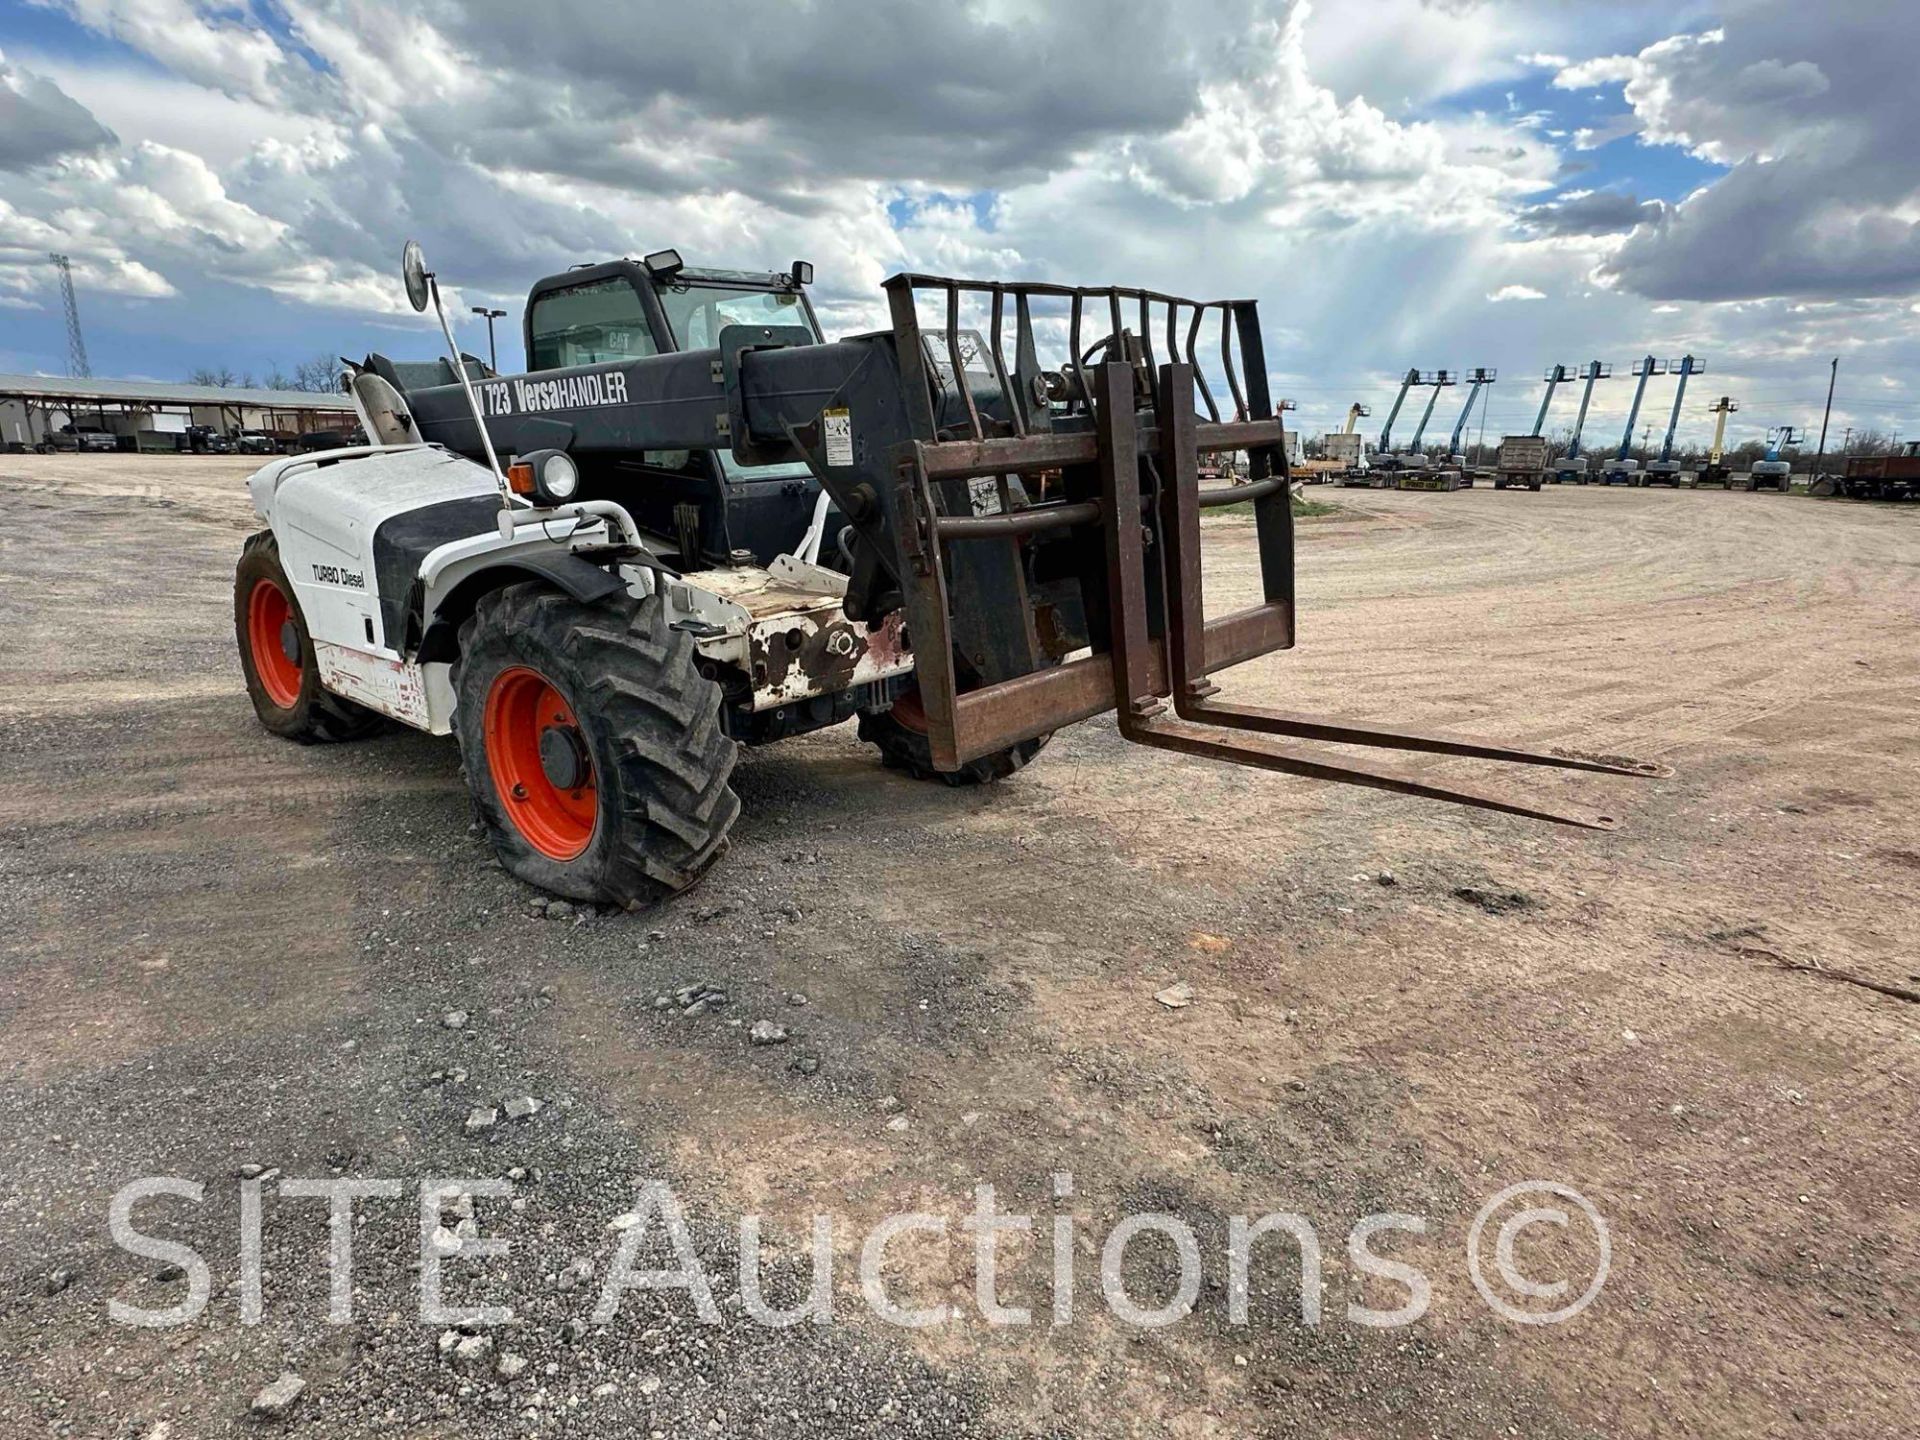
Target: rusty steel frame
966	726
1159	646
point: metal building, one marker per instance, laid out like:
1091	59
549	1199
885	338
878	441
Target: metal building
150	415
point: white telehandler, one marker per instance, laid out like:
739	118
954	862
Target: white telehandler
695	523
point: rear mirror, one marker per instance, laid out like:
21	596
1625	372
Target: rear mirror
413	269
802	272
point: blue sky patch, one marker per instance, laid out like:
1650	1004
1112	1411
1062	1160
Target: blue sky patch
1651	172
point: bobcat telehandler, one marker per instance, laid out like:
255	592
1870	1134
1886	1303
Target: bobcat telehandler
696	523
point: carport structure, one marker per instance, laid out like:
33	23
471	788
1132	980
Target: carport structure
34	406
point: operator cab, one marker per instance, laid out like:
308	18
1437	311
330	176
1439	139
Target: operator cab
712	504
714	510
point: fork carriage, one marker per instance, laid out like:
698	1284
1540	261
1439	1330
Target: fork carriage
1124	438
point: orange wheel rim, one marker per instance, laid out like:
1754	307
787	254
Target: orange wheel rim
908	710
539	762
270	629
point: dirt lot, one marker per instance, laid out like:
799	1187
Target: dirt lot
224	952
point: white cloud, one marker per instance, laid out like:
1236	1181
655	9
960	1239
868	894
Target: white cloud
136	100
225	51
1256	147
1591	74
40	122
1816	121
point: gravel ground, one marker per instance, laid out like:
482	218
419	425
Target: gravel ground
227	957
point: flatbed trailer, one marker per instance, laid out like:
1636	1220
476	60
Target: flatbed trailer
1873	477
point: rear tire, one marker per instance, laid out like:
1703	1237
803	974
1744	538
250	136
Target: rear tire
276	654
903	745
592	745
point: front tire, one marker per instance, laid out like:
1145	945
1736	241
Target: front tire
900	734
592	745
277	655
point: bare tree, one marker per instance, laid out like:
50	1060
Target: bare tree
321	374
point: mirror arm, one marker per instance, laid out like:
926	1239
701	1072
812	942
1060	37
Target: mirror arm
473	405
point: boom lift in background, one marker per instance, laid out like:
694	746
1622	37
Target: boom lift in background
1773	471
1572	467
1416	458
1624	467
1715	471
1385	459
1666	470
1455	456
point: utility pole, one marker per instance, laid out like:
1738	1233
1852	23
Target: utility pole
1646	434
1832	376
77	366
493	358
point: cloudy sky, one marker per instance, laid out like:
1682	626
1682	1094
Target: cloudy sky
1431	183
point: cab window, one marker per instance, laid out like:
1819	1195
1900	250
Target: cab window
588	324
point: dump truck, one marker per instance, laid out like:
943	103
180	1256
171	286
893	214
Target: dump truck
1346	455
697	523
1521	460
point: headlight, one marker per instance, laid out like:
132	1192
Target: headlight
549	476
557	480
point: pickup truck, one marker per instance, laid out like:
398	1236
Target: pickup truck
82	439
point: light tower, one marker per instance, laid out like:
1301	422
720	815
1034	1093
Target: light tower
1573	465
77	366
493	355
